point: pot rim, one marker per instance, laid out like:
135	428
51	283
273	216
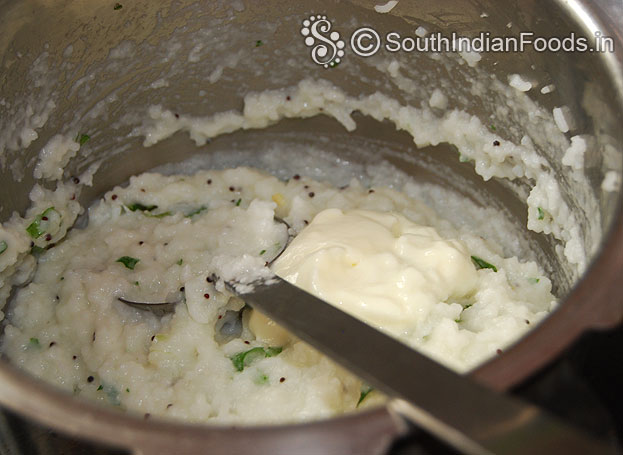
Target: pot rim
53	407
86	419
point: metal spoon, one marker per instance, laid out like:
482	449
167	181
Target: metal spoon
162	308
158	308
459	411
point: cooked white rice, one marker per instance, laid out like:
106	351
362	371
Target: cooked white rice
68	327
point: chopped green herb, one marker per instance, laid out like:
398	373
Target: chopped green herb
245	358
541	213
37	228
159	215
143	208
534	280
272	352
492	127
34	343
262	252
458	321
127	390
34	230
468	306
3	246
117	6
261	379
180	262
37	250
82	138
258	43
128	261
196	211
136	283
365	391
100	387
238	202
482	264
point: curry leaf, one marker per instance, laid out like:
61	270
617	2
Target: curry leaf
245	358
82	138
196	211
37	228
482	264
365	391
128	261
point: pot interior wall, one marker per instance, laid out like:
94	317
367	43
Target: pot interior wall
202	58
102	67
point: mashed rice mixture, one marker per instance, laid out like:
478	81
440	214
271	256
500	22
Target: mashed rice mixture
163	237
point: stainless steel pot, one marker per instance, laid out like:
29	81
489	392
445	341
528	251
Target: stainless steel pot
102	63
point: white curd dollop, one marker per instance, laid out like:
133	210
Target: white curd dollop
378	266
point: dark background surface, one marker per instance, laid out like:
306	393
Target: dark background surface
583	387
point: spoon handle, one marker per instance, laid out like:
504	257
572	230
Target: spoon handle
454	408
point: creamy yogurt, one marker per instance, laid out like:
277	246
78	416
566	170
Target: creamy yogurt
378	266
